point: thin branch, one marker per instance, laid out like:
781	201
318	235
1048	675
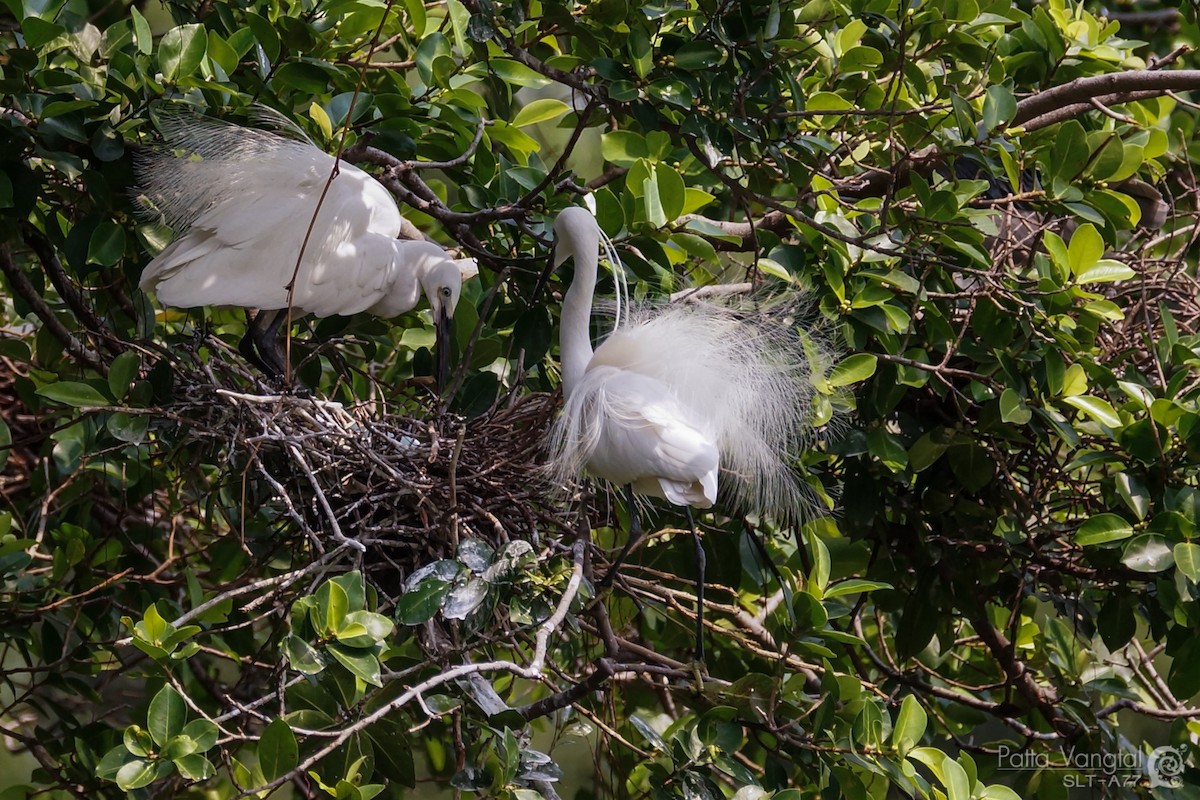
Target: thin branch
531	672
23	288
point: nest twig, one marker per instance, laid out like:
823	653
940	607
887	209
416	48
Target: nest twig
406	488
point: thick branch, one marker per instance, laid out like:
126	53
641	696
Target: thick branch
1065	113
774	221
1043	699
1082	90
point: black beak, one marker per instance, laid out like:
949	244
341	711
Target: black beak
441	344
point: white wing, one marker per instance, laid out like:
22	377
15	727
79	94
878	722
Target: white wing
245	199
628	429
744	378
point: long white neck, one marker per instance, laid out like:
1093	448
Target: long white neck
577	233
409	262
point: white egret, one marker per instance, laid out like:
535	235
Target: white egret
679	398
241	201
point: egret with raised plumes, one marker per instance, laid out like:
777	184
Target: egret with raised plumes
267	220
680	399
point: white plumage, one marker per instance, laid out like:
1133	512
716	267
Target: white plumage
680	397
241	201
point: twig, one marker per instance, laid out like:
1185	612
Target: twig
21	286
458	160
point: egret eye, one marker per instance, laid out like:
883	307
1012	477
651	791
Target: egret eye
445	292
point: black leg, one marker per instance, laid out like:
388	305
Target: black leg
266	340
635	536
701	562
246	345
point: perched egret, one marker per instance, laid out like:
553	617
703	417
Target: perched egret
679	398
242	200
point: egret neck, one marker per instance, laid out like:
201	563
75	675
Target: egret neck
577	226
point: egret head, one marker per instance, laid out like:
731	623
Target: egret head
442	285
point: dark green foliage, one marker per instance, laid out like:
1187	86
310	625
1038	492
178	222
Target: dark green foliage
1011	562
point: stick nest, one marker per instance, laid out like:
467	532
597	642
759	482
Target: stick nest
407	488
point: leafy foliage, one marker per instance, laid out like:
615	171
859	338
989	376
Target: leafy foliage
214	587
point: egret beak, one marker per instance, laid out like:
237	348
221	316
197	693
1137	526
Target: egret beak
441	345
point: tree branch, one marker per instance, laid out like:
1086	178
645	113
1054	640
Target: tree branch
22	287
1104	88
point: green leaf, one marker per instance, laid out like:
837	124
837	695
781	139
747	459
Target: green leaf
364	629
670	192
1183	679
1106	270
695	199
128	427
958	785
541	110
360	663
5	443
1134	494
641	54
138	741
972	465
38	32
195	767
166	715
141	32
827	101
1099	410
910	725
859	59
1013	408
121	372
302	656
421	603
153	626
1075	381
107	245
332	606
887	448
853	369
393	753
655	214
139	772
1148	553
623	148
821	565
203	732
178	747
515	73
1101	529
1187	560
854	586
278	753
1070	151
181	51
999	107
72	393
694	56
1085	249
112	762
